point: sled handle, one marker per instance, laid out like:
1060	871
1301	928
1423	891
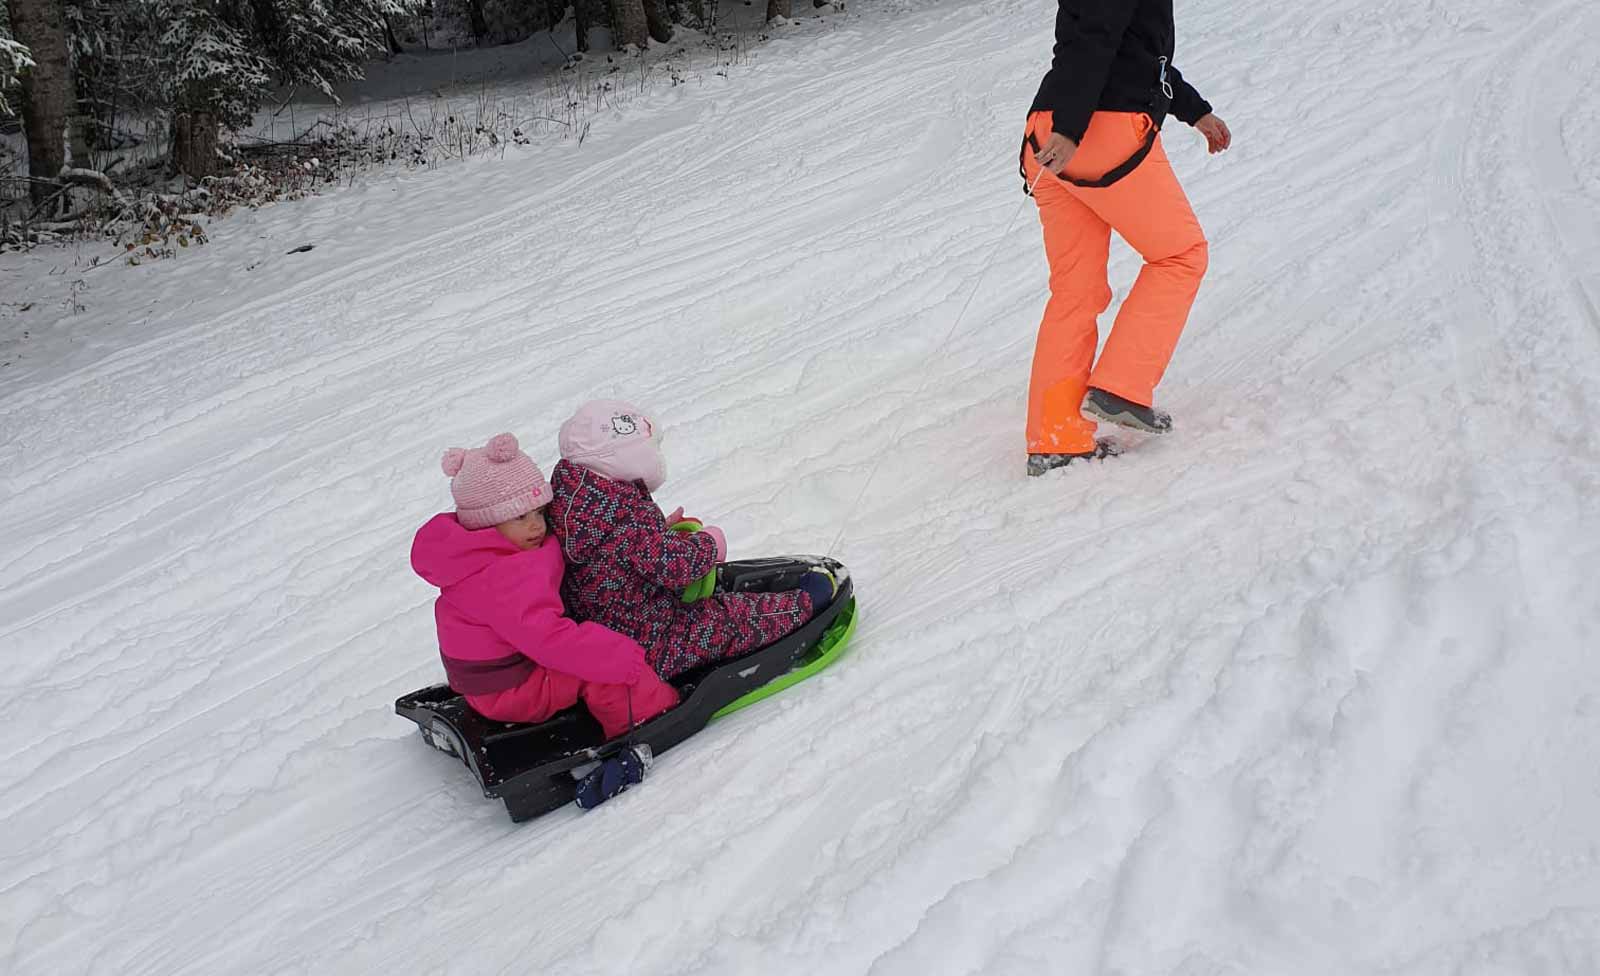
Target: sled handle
705	585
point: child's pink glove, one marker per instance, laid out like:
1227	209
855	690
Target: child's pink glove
721	541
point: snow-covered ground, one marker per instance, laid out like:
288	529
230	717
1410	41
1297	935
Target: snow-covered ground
1309	687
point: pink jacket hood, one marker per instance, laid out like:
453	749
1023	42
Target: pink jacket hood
445	552
497	601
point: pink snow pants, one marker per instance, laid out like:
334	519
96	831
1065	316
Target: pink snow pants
547	692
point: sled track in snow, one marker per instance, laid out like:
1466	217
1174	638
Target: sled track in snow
1559	73
1499	163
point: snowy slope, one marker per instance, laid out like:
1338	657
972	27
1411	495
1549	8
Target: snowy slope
1308	687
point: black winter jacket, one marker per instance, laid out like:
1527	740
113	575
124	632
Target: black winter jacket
1111	55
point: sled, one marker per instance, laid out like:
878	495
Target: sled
531	766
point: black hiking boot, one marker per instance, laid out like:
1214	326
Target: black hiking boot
1125	413
1104	447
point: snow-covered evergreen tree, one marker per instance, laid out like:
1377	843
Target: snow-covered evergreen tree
14	60
211	63
225	55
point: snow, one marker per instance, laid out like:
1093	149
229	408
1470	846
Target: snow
1307	687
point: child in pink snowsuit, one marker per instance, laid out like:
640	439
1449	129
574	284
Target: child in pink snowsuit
508	647
627	570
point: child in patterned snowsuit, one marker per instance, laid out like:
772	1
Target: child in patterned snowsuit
627	570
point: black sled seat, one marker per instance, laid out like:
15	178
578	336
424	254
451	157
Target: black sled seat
530	766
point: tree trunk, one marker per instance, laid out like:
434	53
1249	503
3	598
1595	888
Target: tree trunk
655	15
79	128
628	24
194	143
582	19
47	92
478	22
780	8
388	35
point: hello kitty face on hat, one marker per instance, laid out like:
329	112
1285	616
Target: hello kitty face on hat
629	424
615	439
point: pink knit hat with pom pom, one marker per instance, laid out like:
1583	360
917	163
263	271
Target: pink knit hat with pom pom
494	483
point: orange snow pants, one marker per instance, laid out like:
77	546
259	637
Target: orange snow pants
1149	210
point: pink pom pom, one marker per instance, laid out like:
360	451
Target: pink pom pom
502	448
452	461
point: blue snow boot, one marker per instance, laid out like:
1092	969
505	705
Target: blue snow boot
614	776
820	585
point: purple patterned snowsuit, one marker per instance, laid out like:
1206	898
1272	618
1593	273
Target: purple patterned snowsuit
625	570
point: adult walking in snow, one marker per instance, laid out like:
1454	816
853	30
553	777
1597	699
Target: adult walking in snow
1093	160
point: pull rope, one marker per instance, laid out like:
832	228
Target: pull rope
1042	170
850	513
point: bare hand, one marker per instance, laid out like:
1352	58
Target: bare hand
1057	152
1216	132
